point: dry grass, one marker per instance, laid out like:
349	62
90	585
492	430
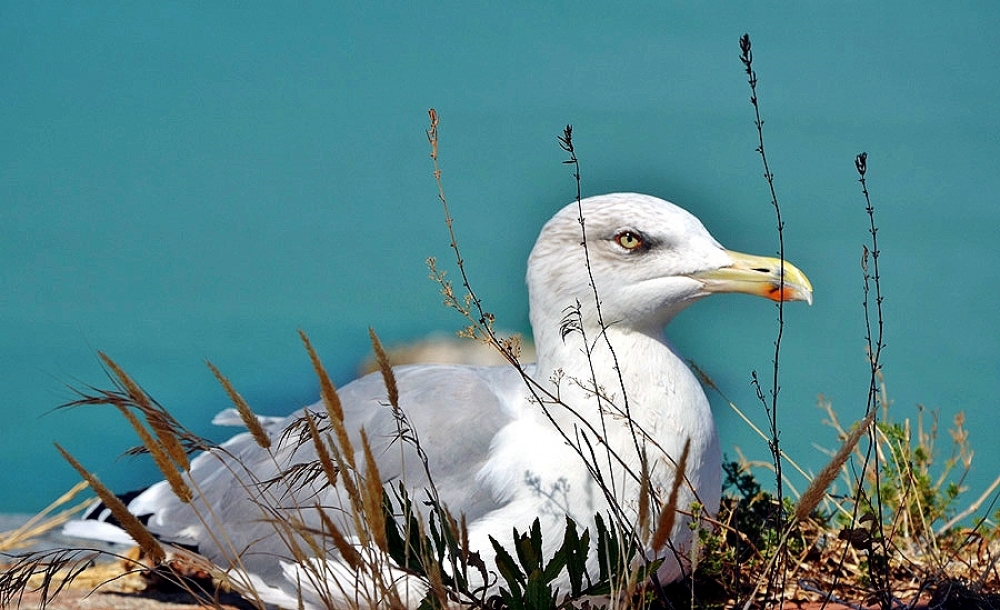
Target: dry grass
49	518
838	549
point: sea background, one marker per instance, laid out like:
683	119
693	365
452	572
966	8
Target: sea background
182	182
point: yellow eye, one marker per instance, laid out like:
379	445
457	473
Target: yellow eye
629	240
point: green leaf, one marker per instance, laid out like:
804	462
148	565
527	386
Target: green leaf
529	548
405	552
508	568
437	537
538	595
536	542
607	551
554	566
574	551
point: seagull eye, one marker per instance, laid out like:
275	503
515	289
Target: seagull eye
630	240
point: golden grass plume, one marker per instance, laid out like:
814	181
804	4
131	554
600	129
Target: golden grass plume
816	491
668	514
129	522
262	438
161	423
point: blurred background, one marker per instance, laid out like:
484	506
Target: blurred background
182	182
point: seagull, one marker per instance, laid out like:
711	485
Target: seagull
601	424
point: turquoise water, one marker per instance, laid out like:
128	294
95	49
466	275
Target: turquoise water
180	184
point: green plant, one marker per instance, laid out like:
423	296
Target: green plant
530	577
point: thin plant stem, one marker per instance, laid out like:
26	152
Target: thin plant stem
566	142
485	318
880	578
746	57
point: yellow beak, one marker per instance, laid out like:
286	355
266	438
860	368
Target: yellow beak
758	275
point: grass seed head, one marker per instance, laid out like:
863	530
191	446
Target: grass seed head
161	423
321	451
386	368
668	514
149	545
327	390
159	454
260	436
372	496
814	494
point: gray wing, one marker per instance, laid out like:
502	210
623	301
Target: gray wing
453	412
242	490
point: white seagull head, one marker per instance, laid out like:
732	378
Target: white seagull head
648	258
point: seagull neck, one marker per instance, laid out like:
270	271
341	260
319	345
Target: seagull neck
613	357
643	390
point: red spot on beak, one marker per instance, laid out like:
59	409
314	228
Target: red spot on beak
777	294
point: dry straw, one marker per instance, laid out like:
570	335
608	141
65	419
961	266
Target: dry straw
665	524
816	491
261	437
162	424
385	367
159	455
44	521
347	552
335	412
372	493
321	450
149	545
